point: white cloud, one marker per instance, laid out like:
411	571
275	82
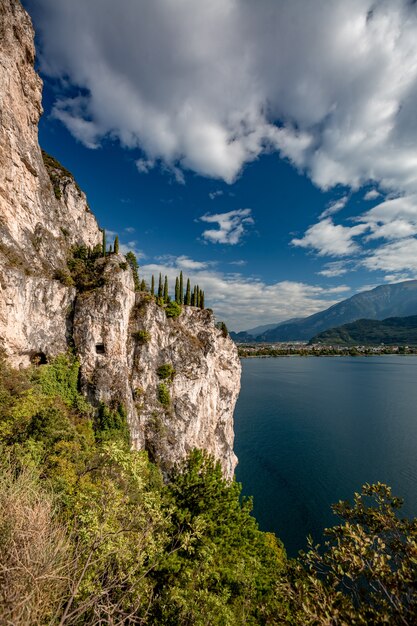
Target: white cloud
341	78
188	264
145	165
394	257
125	246
334	207
372	194
215	194
334	269
242	301
329	239
330	86
232	226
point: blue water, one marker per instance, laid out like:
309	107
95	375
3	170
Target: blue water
311	431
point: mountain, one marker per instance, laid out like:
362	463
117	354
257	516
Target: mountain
60	290
391	331
250	335
395	300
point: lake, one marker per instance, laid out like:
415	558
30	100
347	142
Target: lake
310	431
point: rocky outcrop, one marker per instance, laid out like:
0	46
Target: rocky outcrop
124	340
37	228
122	337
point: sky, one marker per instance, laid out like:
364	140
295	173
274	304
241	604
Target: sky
267	149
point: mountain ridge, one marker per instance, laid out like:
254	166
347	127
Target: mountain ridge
393	300
390	331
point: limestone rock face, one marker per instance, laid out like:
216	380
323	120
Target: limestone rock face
39	221
122	337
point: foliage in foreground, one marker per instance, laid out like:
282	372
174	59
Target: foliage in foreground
90	533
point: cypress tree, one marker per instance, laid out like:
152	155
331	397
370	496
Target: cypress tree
143	285
110	249
131	259
153	285
181	290
188	293
197	298
104	245
202	300
194	296
166	289
116	245
177	290
160	288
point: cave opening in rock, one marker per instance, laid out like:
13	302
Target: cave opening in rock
100	349
38	358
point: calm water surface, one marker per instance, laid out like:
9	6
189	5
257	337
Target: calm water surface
311	431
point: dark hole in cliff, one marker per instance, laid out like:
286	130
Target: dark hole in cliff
39	358
100	349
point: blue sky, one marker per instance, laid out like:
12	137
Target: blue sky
268	151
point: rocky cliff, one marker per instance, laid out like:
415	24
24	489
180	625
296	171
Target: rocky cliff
125	341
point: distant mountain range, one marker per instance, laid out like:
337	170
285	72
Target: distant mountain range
250	335
397	300
391	331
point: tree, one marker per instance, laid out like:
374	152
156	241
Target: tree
166	294
160	287
177	290
181	289
153	285
143	285
188	293
366	573
131	259
222	326
116	245
202	300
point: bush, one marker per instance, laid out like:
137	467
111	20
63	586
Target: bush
173	309
166	371
35	552
164	395
84	270
141	336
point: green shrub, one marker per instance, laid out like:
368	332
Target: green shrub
173	309
164	395
166	371
141	336
84	270
123	266
64	277
111	423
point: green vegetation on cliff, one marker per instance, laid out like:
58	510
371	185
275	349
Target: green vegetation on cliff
91	534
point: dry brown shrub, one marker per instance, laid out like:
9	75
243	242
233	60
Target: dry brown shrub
34	551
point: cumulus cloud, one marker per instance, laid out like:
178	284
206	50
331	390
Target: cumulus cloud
334	207
394	257
232	226
330	85
329	239
232	295
334	269
372	194
125	246
215	194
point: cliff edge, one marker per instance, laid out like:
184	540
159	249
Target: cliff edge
177	379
